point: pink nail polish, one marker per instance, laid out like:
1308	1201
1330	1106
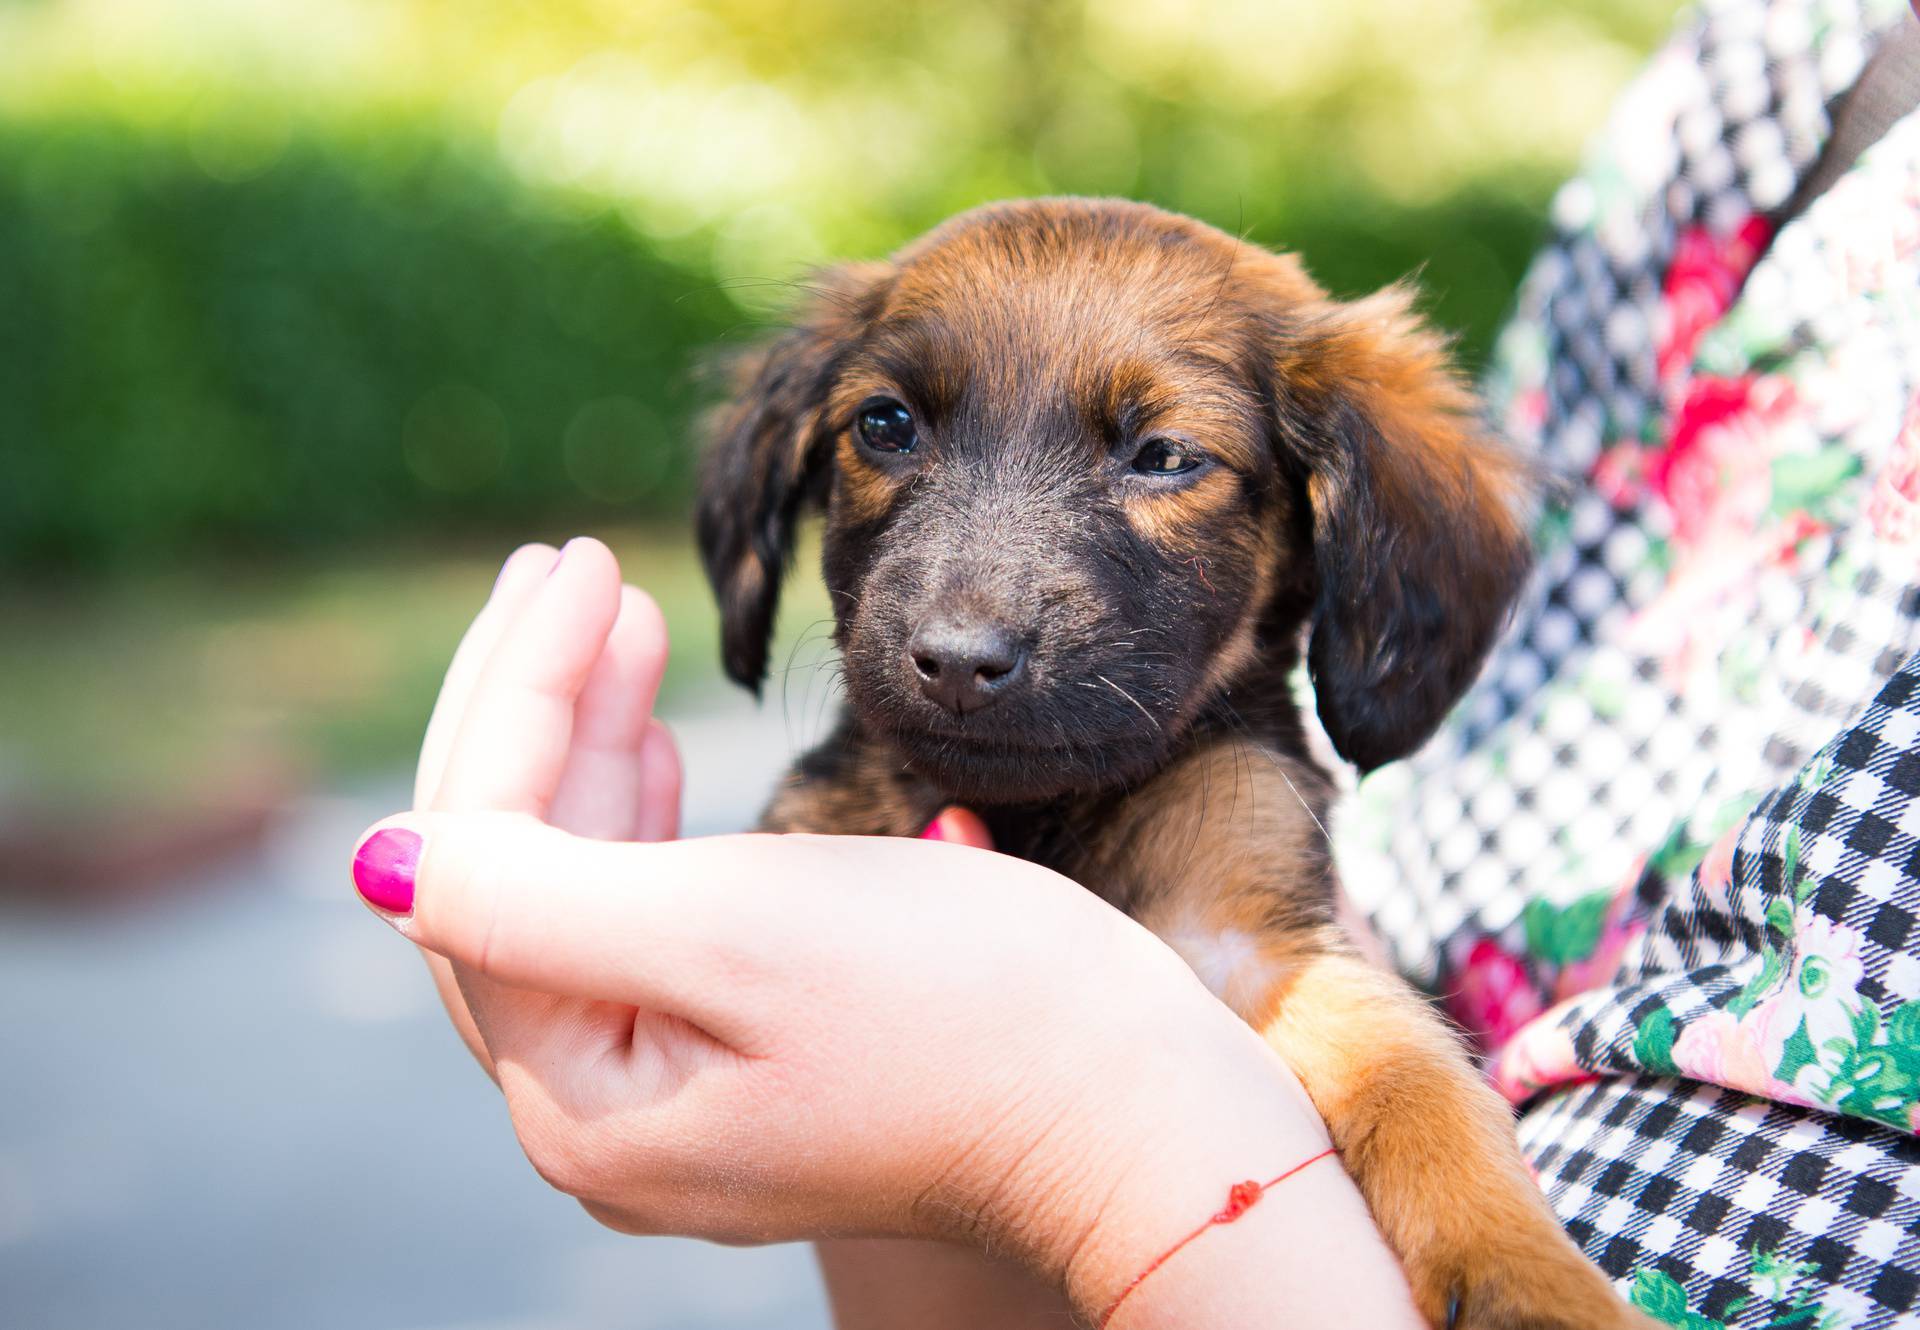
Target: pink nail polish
383	870
933	831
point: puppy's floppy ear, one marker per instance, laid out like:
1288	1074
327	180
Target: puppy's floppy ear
768	455
1420	522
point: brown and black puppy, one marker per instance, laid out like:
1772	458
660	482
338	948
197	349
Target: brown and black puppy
1093	475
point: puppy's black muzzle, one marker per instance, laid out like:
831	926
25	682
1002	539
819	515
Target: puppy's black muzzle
966	664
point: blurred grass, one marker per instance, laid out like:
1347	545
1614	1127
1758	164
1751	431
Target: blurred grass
308	313
373	334
280	279
159	686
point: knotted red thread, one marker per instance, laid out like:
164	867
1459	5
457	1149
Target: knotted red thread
1239	1200
1241	1197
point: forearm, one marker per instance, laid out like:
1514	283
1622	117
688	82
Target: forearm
1305	1254
885	1283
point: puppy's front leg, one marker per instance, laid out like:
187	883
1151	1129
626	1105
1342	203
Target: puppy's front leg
1432	1149
847	787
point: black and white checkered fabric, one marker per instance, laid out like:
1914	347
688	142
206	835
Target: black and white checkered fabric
1667	851
1751	1206
1840	841
1713	1205
1576	756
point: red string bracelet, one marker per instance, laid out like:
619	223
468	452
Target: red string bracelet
1241	1197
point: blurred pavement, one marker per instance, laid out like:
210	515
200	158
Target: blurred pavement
238	1105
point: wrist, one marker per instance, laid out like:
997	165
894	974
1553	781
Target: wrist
1248	1122
1193	1103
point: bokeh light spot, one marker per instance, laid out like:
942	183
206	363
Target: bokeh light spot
613	449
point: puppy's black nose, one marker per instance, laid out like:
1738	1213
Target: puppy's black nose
966	665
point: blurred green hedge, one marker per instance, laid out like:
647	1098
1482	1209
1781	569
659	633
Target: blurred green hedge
382	333
375	335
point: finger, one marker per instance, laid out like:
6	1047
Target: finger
603	783
512	736
519	576
661	776
959	826
520	905
513	740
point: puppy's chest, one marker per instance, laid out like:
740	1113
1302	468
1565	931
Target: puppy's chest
1225	858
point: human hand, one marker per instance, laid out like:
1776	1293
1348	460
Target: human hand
753	1038
608	770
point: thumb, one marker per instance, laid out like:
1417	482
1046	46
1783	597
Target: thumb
959	826
539	910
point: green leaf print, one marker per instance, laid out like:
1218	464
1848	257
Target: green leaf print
1777	1280
1562	935
1804	481
1653	1043
1660	1297
1607	697
1780	917
1874	1087
1903	1027
1678	854
1775	1275
1683	849
1866	1024
1772	966
1555	528
1797	1054
1875	1081
1818	771
1790	864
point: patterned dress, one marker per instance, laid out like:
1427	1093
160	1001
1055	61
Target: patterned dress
1664	861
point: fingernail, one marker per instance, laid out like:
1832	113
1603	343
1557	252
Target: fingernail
933	831
501	576
563	556
384	868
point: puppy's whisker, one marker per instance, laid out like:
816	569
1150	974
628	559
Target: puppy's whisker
1131	698
786	675
1254	746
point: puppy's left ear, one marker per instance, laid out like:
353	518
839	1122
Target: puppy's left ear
768	454
1420	522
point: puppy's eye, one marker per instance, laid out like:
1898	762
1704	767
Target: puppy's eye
886	426
1164	457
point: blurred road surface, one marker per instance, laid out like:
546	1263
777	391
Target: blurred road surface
238	1105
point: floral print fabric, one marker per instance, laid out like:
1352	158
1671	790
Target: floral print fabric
1667	837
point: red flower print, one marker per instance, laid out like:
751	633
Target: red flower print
1894	505
1539	1056
1702	280
1494	995
1623	927
1714	472
1619	474
1528	414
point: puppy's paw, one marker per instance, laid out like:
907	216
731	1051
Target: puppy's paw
1551	1289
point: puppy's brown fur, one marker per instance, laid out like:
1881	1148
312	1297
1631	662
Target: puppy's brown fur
1144	741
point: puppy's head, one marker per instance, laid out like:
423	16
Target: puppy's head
1085	464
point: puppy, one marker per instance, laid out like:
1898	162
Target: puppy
1093	474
